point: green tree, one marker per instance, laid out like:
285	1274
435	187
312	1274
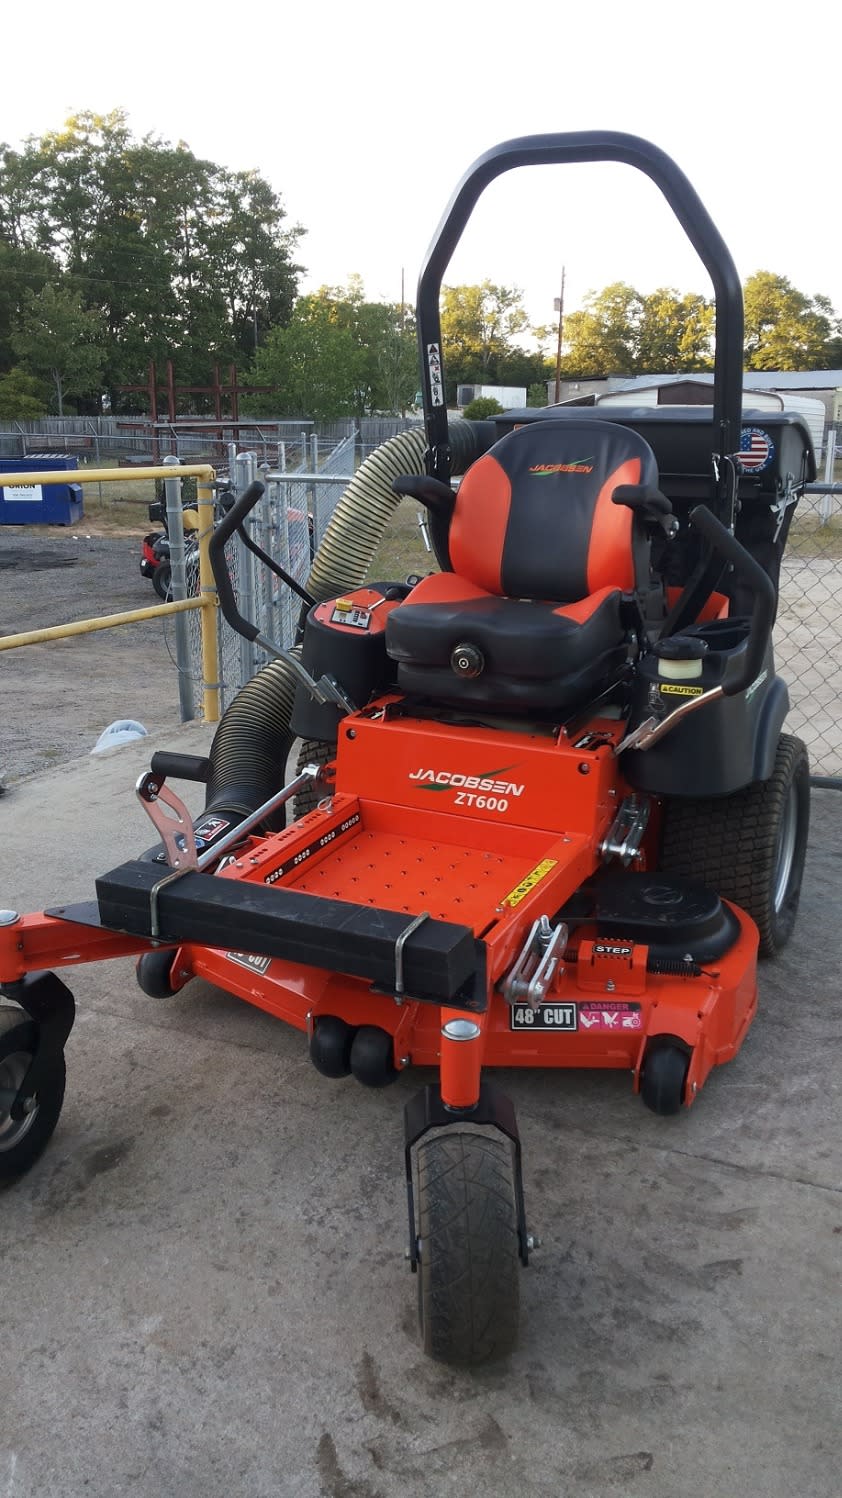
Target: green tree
182	258
674	332
481	407
313	365
386	370
398	363
58	340
478	326
21	396
602	338
536	395
524	367
618	331
784	328
21	272
340	356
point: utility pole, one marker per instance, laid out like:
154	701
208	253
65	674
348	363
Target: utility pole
559	307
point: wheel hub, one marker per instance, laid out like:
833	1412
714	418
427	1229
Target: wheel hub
785	848
13	1069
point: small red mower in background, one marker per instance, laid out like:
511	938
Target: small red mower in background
546	813
155	547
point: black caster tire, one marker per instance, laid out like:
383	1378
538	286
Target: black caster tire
153	972
469	1269
162	581
663	1078
22	1141
372	1056
330	1046
749	847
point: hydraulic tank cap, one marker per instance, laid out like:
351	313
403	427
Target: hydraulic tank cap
680	658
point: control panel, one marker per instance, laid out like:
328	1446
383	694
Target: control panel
364	611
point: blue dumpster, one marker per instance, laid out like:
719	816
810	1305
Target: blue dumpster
40	504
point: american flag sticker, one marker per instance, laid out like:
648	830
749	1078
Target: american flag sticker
756	450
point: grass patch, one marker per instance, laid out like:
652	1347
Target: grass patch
401	550
120	506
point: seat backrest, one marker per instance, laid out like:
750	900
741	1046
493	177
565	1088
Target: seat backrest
534	518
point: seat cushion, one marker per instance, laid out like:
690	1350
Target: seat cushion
537	656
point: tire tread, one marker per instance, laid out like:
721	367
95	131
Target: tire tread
15	1162
469	1247
728	843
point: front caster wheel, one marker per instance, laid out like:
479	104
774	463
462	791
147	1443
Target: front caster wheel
468	1274
154	972
22	1140
330	1046
663	1078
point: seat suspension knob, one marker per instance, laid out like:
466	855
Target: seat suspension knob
467	660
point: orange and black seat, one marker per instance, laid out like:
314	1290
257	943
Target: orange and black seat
531	617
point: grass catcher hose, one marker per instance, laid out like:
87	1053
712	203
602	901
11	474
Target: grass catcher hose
251	746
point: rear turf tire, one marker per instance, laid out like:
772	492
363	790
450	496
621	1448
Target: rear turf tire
469	1272
162	581
749	847
312	752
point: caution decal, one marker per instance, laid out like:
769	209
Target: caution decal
528	883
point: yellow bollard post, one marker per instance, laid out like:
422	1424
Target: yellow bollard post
207	587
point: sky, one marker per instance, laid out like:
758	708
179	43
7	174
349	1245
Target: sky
364	118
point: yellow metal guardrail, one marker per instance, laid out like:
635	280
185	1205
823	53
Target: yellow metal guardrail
207	600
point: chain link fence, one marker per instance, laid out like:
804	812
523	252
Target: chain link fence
108	441
808	632
288	523
132	442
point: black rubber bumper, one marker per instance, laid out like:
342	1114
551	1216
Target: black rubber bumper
442	962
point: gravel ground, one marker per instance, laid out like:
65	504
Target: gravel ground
55	699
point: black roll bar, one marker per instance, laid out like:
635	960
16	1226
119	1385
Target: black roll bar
588	145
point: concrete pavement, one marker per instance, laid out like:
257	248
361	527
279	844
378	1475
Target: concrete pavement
204	1290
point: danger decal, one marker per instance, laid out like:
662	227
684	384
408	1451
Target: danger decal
609	1014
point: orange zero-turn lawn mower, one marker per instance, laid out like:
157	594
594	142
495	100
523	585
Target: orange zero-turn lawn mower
545	813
